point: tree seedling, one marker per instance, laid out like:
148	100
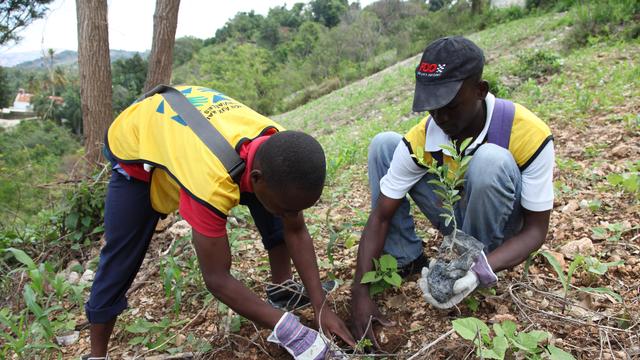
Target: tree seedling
458	250
590	264
448	180
384	275
507	340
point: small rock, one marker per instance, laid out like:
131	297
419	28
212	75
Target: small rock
502	309
498	318
584	204
622	151
180	339
415	326
87	277
180	229
571	206
67	339
73	278
163	224
583	246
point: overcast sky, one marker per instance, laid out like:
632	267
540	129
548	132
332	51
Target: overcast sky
131	23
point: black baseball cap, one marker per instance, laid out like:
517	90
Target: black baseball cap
445	64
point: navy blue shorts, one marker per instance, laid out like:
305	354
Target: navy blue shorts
129	223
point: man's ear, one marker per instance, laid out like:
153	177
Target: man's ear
483	89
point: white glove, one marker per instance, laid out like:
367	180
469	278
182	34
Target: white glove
424	286
301	342
480	273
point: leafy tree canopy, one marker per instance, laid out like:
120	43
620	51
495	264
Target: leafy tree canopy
16	14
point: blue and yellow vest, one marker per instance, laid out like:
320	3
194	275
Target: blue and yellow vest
149	131
527	137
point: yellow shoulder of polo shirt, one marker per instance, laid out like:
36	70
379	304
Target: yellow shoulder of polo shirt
529	135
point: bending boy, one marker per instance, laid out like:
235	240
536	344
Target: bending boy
160	165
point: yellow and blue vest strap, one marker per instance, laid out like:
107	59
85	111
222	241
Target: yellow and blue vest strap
205	131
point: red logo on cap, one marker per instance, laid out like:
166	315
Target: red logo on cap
431	70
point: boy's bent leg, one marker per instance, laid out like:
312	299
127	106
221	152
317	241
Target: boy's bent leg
401	241
491	205
129	224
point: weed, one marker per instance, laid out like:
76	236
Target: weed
506	339
589	264
152	335
611	232
627	181
384	275
534	64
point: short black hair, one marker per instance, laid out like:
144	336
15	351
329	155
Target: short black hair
292	159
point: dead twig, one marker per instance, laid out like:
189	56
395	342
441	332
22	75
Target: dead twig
429	345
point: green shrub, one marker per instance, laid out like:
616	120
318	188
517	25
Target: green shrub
30	156
601	19
537	63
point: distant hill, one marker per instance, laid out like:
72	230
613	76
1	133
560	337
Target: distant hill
69	57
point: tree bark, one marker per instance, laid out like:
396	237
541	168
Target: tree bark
165	21
95	75
476	6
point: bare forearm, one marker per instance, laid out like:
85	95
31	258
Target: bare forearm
303	255
370	247
515	250
243	301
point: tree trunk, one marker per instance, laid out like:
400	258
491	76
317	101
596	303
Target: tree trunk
165	21
95	75
476	6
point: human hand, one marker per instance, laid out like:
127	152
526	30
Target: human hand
423	284
301	342
480	273
330	323
363	313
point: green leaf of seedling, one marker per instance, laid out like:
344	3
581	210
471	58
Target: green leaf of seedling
441	194
450	149
236	323
558	354
465	143
370	277
509	328
394	279
465	161
529	341
598	233
602	290
22	257
499	349
138	340
71	222
140	326
472	303
377	288
468	328
388	262
556	266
